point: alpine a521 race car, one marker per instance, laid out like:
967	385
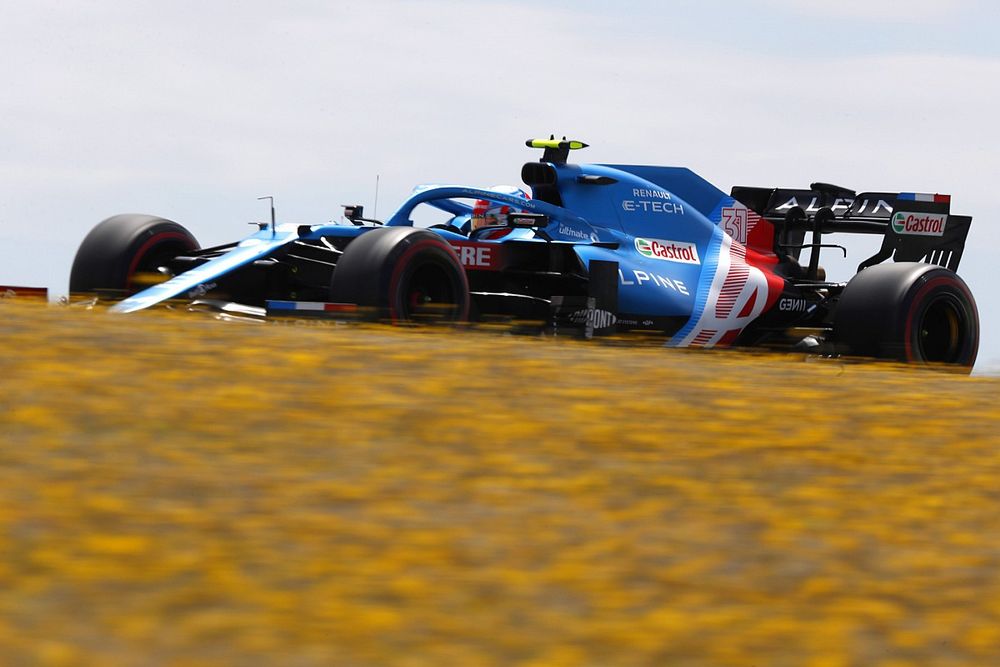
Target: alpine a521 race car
596	249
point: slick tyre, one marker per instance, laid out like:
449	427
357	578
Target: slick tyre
402	274
911	312
121	255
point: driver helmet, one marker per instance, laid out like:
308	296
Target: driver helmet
494	214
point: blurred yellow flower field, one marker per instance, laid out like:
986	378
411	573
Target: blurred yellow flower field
176	490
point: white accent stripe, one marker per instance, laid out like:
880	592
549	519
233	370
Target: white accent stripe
729	294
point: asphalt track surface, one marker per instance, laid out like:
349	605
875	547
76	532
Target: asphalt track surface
176	490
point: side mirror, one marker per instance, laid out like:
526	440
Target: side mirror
527	220
354	213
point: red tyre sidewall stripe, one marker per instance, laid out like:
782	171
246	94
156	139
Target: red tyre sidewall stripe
144	248
404	260
917	300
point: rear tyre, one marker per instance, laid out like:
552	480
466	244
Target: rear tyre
911	312
402	274
122	255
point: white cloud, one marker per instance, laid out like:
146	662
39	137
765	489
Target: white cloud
903	11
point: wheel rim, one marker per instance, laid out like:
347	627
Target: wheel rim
155	251
430	294
941	332
147	274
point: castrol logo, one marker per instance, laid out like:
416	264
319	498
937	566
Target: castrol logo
919	224
669	251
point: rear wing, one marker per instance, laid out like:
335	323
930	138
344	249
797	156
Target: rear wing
915	227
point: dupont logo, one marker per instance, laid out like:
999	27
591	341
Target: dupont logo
669	251
919	224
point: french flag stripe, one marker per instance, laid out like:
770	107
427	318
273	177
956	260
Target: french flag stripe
281	305
340	307
316	306
924	196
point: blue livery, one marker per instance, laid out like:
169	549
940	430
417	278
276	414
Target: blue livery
598	248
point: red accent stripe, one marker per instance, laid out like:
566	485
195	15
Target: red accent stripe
731	290
10	291
703	338
942	199
751	302
735	281
729	337
340	307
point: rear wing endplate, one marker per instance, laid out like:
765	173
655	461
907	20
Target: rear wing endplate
938	239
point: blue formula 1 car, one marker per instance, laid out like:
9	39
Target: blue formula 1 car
596	249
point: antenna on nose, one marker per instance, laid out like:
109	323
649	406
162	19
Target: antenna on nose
271	199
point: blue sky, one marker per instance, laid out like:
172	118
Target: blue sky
192	110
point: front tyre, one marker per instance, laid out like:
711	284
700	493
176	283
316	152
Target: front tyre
402	274
911	312
122	255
